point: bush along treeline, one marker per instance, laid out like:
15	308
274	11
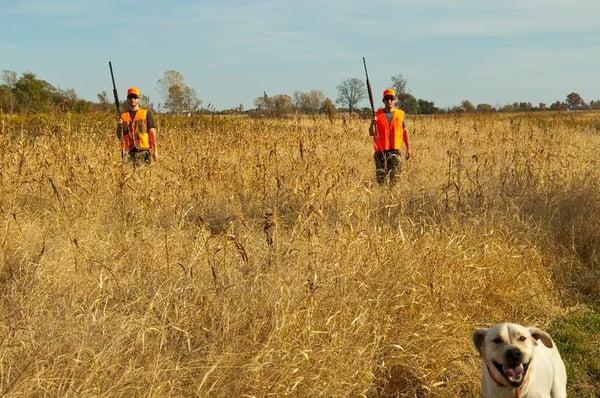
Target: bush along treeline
572	102
27	94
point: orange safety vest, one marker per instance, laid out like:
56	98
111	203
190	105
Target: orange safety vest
136	135
389	135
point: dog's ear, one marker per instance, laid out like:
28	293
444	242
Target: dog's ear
539	334
478	337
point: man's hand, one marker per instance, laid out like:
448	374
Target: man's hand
153	146
119	128
373	128
407	155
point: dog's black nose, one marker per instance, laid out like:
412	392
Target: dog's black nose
513	355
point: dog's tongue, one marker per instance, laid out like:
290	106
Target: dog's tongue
514	373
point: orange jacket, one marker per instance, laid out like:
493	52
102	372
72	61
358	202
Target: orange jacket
390	135
136	131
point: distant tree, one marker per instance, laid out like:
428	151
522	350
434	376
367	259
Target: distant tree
542	106
484	108
559	106
262	103
175	100
276	106
517	107
105	104
524	107
350	93
178	96
399	84
575	102
427	107
146	103
407	103
281	105
328	108
365	113
103	99
67	100
6	99
9	78
309	102
456	109
32	94
595	105
467	106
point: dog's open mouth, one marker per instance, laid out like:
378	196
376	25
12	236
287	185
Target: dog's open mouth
514	375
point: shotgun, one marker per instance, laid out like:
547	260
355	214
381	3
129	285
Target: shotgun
112	76
370	99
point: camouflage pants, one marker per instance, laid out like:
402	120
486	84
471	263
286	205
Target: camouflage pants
387	163
138	157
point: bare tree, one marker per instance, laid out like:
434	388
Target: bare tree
262	103
178	96
282	105
103	99
7	98
277	106
309	102
399	84
350	93
9	78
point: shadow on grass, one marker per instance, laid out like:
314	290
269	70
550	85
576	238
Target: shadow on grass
570	217
400	381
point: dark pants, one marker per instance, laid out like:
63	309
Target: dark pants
139	156
387	163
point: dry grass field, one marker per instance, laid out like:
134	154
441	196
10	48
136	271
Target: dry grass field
259	258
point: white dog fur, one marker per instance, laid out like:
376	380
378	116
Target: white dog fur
519	362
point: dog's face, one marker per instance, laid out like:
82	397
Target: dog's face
507	350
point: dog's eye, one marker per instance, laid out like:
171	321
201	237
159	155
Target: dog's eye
497	340
522	338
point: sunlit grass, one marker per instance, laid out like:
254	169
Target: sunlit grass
259	257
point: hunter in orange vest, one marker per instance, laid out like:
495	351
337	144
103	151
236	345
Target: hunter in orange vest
137	131
389	133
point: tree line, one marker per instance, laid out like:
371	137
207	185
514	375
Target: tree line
27	93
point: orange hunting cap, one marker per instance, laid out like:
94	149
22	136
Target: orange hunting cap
134	91
389	92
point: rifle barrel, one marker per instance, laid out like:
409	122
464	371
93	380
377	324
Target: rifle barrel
112	76
370	91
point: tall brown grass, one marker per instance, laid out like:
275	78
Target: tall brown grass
258	257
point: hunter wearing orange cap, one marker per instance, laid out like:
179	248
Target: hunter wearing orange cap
137	130
389	136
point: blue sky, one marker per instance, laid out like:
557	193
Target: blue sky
495	52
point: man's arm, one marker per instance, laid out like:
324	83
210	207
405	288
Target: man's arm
373	127
152	135
405	140
119	130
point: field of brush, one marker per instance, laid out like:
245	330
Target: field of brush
258	257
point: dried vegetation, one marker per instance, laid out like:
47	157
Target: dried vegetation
257	258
